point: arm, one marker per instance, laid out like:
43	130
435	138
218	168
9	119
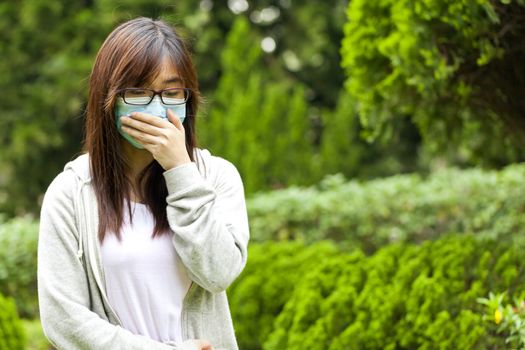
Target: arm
210	223
63	287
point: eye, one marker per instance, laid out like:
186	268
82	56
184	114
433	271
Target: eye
137	93
137	96
173	93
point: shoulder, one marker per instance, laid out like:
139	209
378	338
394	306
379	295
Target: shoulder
213	166
62	189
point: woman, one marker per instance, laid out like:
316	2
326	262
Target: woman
141	235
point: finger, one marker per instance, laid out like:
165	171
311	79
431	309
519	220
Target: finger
150	119
206	345
143	138
174	119
203	344
141	126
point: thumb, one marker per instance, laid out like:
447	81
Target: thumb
174	119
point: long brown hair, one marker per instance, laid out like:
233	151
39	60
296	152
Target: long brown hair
131	56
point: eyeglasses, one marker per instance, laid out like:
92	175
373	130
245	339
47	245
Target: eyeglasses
142	97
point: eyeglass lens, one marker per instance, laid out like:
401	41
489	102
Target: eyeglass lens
144	96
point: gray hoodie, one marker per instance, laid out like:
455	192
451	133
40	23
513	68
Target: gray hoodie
207	213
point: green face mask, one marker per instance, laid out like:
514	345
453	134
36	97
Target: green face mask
156	108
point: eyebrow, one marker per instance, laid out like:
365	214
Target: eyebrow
173	80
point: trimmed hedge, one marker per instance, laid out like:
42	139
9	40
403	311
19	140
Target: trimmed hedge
404	208
18	263
12	336
364	215
404	296
266	283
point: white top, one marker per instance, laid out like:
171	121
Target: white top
145	279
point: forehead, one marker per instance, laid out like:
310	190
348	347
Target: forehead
166	72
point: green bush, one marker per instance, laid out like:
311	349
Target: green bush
404	296
18	263
36	340
454	67
267	282
509	318
404	208
11	332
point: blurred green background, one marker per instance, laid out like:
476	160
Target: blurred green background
379	143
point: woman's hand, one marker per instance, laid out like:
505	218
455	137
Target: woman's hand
203	344
164	140
196	344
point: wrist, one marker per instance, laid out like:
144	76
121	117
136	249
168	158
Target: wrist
182	177
176	163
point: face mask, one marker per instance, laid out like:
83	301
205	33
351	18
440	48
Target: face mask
156	108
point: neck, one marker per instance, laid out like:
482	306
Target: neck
137	160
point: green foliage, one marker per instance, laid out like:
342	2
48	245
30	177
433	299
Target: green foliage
48	47
266	283
400	208
343	149
510	318
265	123
402	297
18	262
254	122
12	335
278	114
271	112
454	67
307	36
36	340
44	68
341	139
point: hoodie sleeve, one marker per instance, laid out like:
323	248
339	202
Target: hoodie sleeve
209	221
63	292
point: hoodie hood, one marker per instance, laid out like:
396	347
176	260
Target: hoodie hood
80	166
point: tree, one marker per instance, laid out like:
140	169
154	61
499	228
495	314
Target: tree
454	67
257	121
344	150
307	37
48	48
44	68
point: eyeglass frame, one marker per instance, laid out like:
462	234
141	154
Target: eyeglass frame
187	94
